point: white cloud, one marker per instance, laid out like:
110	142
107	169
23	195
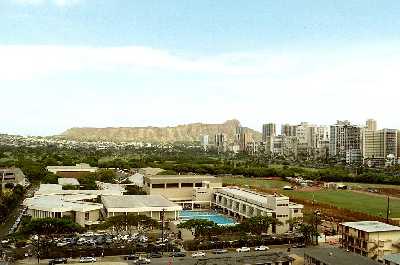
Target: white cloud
317	86
59	3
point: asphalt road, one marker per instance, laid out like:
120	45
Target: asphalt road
298	253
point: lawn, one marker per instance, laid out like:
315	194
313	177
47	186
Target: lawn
369	185
370	204
254	182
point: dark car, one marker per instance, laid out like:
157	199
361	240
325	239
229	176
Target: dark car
177	254
155	255
132	257
58	261
299	245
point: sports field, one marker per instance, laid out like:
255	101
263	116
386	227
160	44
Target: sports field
371	204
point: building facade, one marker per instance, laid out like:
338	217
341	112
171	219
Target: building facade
13	176
345	142
186	190
241	204
154	206
268	129
370	238
379	146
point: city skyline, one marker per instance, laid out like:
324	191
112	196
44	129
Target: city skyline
73	63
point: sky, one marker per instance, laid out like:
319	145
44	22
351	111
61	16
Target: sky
120	63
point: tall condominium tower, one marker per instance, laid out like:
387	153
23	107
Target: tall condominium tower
268	129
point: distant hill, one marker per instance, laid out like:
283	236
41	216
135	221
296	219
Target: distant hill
183	133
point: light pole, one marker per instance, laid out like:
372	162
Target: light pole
37	238
162	230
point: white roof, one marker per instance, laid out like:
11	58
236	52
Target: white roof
137	203
68	181
80	167
56	189
250	196
55	203
371	226
49	188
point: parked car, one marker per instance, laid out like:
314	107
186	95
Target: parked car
299	245
57	261
243	249
142	261
261	248
87	259
155	255
198	254
177	254
219	251
132	257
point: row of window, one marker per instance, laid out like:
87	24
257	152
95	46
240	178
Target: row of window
176	185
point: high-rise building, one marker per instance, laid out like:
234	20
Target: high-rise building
220	142
288	130
268	129
379	146
204	141
345	142
371	125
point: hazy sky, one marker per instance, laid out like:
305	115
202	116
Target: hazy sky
67	63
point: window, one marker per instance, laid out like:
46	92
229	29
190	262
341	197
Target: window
198	185
87	216
172	185
187	185
157	186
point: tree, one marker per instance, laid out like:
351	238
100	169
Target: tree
308	232
51	227
260	224
201	227
129	222
134	190
293	223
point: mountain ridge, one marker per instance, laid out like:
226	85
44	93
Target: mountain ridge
180	133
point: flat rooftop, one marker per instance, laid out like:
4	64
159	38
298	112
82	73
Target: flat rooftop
68	181
138	201
181	178
336	256
371	226
56	203
252	197
56	189
81	166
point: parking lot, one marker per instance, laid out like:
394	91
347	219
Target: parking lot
232	256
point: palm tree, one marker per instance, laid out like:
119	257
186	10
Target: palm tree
293	223
260	224
308	232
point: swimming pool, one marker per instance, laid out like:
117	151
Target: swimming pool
217	218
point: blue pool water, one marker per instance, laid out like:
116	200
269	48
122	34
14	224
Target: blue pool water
211	216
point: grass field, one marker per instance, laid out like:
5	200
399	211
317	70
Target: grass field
370	204
261	183
368	185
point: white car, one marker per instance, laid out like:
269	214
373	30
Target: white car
243	249
198	254
142	261
87	259
261	248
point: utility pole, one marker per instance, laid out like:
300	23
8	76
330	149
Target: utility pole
162	229
388	209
